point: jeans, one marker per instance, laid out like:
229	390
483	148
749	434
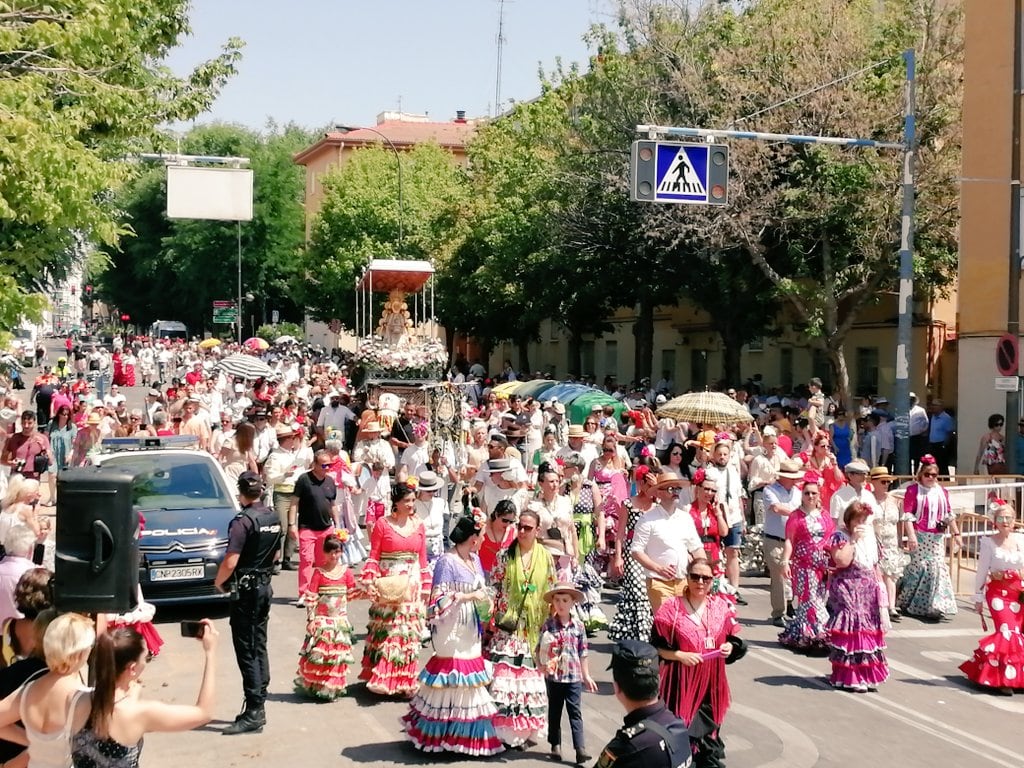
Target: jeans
248	620
101	384
569	694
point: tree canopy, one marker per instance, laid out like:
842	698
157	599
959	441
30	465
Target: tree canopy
82	84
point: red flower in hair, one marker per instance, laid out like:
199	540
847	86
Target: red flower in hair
723	437
928	459
699	476
560	462
811	477
641	472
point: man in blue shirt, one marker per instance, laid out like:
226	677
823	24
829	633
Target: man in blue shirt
941	430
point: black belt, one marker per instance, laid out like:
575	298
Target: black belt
773	538
709	539
253	579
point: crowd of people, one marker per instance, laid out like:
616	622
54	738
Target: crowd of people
495	548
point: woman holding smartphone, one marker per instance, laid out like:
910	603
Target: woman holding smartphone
118	718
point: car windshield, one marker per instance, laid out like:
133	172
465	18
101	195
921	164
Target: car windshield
165	481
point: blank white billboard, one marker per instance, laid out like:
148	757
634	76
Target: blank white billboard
197	192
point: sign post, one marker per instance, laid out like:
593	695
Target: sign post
225	313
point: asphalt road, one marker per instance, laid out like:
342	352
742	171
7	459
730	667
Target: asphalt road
784	714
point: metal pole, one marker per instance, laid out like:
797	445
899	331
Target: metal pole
905	330
1013	294
791	138
238	309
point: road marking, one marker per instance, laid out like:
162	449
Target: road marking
954	658
931	633
934	727
980	697
798	751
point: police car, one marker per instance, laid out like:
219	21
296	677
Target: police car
186	502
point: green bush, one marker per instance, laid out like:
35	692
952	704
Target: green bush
271	332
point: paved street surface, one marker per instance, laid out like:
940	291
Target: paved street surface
783	715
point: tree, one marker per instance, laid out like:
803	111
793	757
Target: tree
177	268
360	220
820	222
82	85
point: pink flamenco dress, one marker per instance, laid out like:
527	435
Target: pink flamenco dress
810	562
998	662
614	491
453	711
395	630
857	619
327	651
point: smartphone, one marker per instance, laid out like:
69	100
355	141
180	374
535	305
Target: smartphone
192	628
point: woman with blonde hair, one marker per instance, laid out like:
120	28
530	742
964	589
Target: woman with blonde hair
55	705
19	506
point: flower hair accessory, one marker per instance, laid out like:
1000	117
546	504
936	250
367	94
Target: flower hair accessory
995	503
412	482
641	472
341	534
699	476
479	517
929	459
723	437
646	451
811	478
419	429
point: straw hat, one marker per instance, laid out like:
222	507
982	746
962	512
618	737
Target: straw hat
791	469
372	427
498	465
576	431
880	473
564	589
429	482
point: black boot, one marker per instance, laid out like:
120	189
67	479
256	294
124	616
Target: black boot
250	721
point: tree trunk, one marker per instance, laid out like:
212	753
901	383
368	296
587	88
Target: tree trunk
575	360
523	346
840	374
732	346
643	333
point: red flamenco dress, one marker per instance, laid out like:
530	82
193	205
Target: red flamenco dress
998	661
327	651
395	630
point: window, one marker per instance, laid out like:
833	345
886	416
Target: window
587	358
867	370
698	369
786	368
821	368
668	363
611	358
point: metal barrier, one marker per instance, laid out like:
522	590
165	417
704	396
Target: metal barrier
968	496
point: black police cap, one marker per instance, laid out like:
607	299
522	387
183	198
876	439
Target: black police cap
634	655
250	484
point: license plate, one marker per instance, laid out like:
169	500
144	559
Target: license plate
178	573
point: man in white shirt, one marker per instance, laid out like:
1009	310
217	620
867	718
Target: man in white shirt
780	499
724	473
334	417
576	437
919	427
763	464
855	489
286	463
664	541
114	398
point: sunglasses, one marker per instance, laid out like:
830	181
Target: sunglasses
1004	518
703	578
527	527
507	520
884	482
675	453
930	474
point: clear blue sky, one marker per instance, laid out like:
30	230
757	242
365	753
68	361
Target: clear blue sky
317	62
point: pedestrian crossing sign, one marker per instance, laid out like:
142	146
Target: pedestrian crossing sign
673	172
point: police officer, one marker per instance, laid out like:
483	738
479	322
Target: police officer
254	542
651	736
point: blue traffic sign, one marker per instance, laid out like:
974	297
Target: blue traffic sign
682	173
675	172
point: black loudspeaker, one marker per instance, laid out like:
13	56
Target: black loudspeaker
97	563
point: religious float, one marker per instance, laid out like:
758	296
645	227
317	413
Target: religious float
398	346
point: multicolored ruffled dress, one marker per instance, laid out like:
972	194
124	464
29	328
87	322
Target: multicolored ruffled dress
926	590
633	618
998	661
583	518
518	687
612	485
453	710
855	627
327	651
809	564
394	632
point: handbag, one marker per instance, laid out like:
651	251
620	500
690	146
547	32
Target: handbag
510	623
392	589
40	463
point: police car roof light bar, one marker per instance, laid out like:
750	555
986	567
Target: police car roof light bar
148	443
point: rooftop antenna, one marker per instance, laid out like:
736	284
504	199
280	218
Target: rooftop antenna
501	42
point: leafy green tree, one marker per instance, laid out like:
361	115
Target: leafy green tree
81	85
360	220
177	268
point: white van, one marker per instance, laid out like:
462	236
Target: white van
168	329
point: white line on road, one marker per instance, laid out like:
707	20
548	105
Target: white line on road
798	751
980	747
931	633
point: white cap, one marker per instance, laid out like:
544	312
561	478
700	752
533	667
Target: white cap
239	388
660	399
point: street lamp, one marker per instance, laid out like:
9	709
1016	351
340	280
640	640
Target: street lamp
398	164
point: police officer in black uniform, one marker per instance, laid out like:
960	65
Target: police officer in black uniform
650	736
254	542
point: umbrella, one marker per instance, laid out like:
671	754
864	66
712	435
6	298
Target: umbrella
210	343
286	340
582	405
245	367
705	408
256	343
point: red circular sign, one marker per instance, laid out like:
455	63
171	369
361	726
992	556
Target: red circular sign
1008	355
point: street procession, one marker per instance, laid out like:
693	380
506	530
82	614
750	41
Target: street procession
644	399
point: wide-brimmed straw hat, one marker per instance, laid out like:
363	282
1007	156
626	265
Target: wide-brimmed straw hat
566	589
791	469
